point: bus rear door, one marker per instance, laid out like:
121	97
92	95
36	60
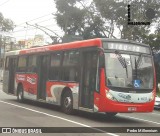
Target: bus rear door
9	75
43	66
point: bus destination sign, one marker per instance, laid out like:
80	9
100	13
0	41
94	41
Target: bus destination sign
126	47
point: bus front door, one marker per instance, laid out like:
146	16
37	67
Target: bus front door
43	65
88	79
12	70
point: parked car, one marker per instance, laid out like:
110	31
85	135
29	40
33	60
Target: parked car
157	102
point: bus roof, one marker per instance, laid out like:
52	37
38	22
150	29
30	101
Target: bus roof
64	46
124	41
72	45
12	53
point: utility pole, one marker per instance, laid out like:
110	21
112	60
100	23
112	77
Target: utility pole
0	45
0	51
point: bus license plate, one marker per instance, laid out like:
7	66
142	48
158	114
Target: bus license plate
132	109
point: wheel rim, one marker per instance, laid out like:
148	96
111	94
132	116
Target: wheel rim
20	95
67	102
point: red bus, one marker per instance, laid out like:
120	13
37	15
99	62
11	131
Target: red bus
96	75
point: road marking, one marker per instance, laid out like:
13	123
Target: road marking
140	119
112	134
156	114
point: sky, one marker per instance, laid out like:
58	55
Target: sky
31	11
34	12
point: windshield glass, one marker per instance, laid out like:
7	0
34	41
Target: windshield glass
138	72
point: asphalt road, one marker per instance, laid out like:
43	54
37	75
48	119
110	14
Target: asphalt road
34	114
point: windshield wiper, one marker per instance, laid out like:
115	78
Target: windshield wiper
122	61
139	60
137	64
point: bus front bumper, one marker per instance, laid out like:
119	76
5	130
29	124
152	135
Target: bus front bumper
113	106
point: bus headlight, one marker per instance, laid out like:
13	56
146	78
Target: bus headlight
110	96
151	97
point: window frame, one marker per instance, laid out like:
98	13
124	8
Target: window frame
24	70
33	68
67	68
57	67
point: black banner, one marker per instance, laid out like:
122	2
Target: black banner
29	130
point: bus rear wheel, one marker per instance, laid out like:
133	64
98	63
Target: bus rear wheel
20	97
67	103
110	114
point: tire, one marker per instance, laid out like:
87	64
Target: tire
67	103
20	97
110	114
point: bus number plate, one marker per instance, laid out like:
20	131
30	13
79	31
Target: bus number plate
132	109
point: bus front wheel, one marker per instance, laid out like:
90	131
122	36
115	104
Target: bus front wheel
20	97
67	103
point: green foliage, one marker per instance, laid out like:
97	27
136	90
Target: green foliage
153	40
69	17
117	14
70	22
79	20
101	18
6	25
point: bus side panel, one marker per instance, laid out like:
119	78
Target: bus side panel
54	92
29	82
5	81
31	86
20	79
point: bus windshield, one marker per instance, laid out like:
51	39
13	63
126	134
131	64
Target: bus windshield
137	73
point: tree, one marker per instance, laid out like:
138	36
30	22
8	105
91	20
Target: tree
75	17
101	18
68	16
6	25
116	12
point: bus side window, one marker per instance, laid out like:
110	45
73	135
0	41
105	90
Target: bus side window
54	71
22	63
32	64
70	66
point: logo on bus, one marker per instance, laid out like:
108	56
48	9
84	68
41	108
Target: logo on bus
127	97
137	83
21	77
31	80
